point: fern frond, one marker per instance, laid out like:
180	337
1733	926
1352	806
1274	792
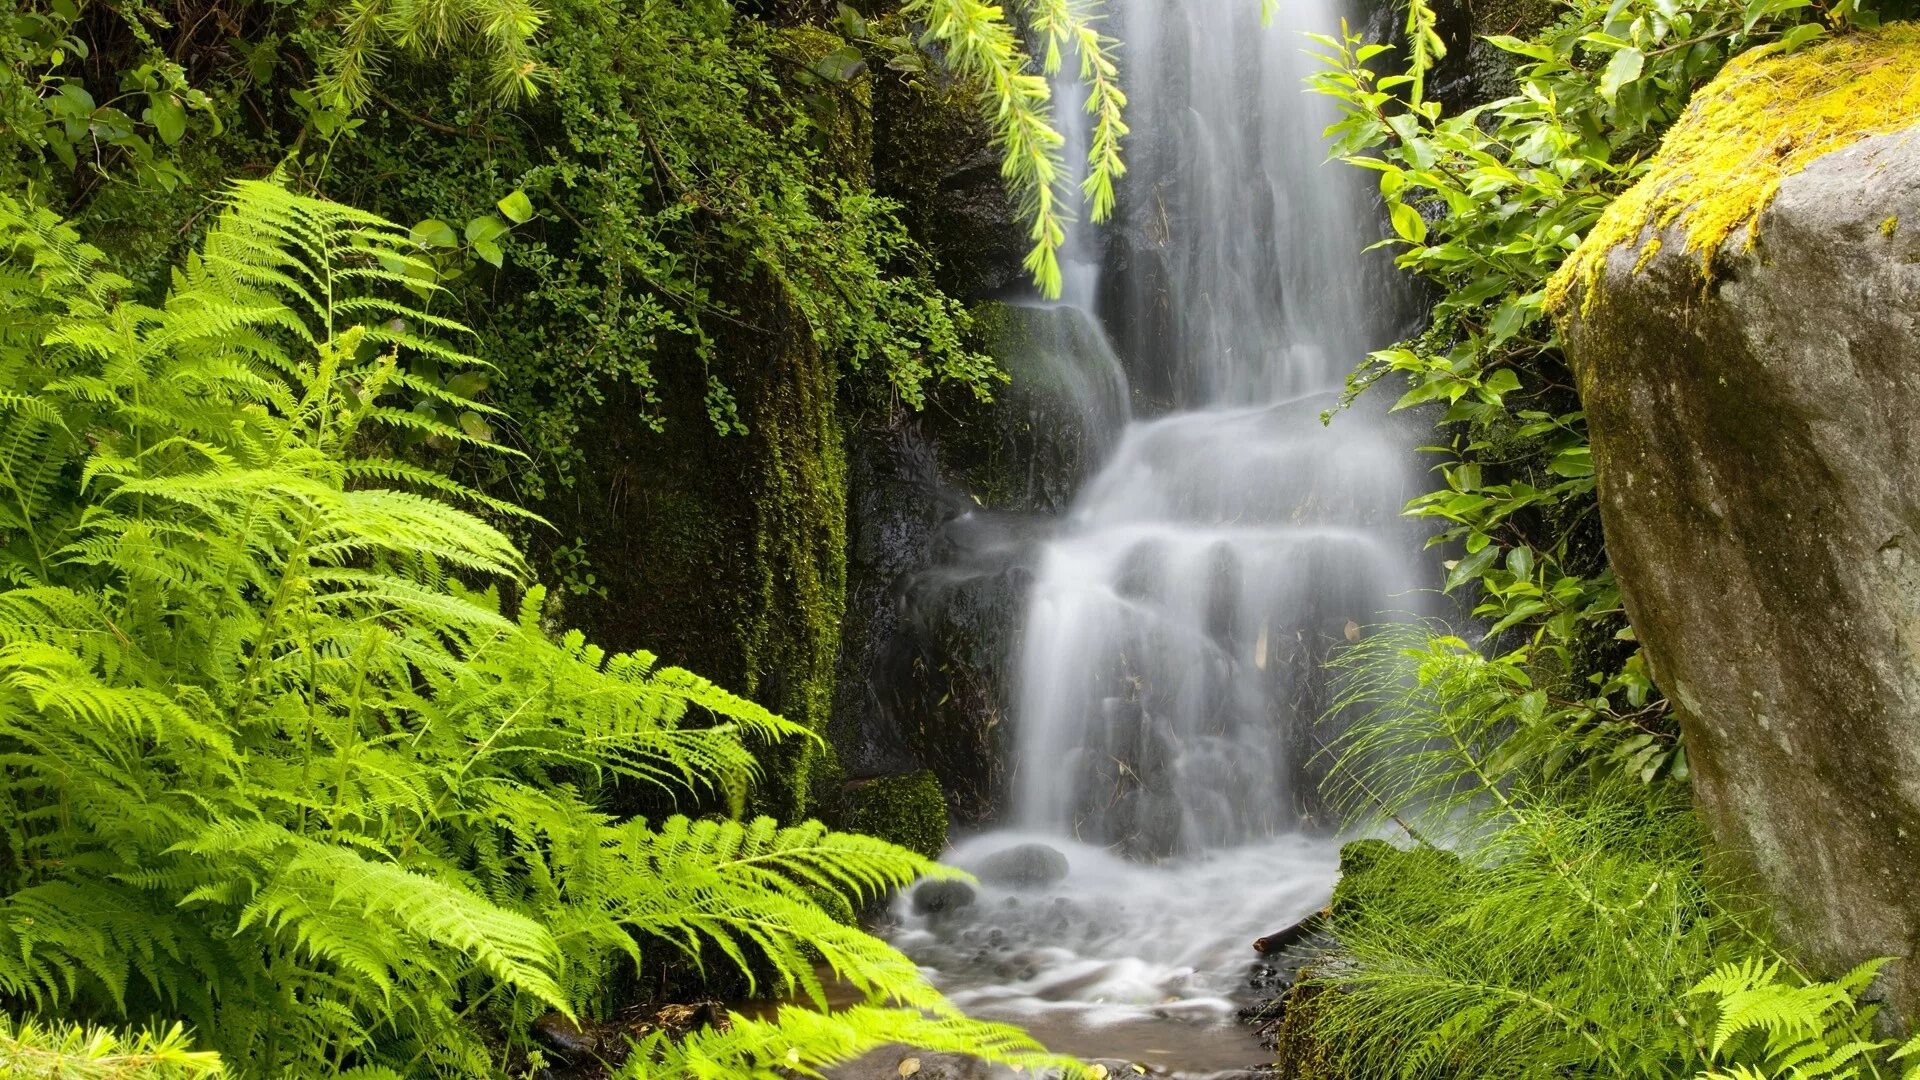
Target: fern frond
803	1042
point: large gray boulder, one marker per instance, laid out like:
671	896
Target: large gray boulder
1757	440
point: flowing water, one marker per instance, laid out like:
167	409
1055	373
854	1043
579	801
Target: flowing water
1168	696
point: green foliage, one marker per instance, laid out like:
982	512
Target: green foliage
693	180
1775	1027
502	30
802	1042
1488	204
277	765
981	44
76	1052
680	172
1564	935
1555	915
50	120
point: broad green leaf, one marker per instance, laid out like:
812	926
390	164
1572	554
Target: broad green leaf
433	233
1621	70
486	229
1408	223
168	117
1470	567
517	207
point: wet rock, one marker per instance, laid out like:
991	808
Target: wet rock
942	897
1026	866
564	1037
895	1062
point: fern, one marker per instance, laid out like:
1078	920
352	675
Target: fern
75	1052
279	759
802	1042
1772	1026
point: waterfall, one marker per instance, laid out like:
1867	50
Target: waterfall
1168	692
1225	541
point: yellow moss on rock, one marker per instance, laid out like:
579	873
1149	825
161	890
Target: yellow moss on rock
1765	118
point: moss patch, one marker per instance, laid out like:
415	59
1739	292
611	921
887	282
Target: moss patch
1765	118
907	810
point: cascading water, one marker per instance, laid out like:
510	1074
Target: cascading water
1168	695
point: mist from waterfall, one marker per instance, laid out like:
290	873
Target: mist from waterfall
1169	696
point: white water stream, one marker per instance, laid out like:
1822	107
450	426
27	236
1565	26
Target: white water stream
1168	695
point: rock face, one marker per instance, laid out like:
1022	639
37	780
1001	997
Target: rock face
1757	441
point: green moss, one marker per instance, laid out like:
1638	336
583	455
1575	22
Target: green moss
842	110
1765	118
1374	873
1890	226
789	634
908	810
1512	16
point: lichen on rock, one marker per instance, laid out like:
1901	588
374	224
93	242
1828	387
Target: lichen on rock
1765	118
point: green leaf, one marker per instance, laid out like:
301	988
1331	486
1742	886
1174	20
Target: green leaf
433	233
1757	10
852	24
486	229
844	64
517	207
1471	567
1408	223
168	117
1621	70
476	425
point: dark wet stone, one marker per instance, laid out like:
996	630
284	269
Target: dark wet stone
1027	866
940	897
564	1037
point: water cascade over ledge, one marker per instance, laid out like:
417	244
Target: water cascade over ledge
1163	806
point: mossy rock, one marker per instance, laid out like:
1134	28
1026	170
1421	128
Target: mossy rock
1374	874
907	810
1763	119
1746	336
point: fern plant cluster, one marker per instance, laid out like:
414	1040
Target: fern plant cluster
286	752
1545	914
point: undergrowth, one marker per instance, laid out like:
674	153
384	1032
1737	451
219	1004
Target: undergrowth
286	754
1550	915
